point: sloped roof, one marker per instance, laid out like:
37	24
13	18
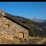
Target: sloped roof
12	18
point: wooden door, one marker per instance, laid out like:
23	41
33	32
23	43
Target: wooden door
21	35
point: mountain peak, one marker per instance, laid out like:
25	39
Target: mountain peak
37	20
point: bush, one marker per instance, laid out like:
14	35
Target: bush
28	23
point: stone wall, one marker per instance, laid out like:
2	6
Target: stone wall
13	28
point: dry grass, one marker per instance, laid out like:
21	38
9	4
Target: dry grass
7	39
35	40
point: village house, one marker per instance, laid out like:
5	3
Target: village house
10	26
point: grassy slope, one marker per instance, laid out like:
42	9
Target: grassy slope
7	39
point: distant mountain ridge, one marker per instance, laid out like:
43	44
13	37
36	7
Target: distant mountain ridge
44	22
39	20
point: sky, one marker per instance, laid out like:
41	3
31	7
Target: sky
25	9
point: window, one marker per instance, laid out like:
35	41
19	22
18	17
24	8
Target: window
7	25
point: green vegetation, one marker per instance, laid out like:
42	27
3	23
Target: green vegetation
27	22
20	39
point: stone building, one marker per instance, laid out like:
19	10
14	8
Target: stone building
10	26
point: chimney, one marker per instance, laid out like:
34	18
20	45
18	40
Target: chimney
2	13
